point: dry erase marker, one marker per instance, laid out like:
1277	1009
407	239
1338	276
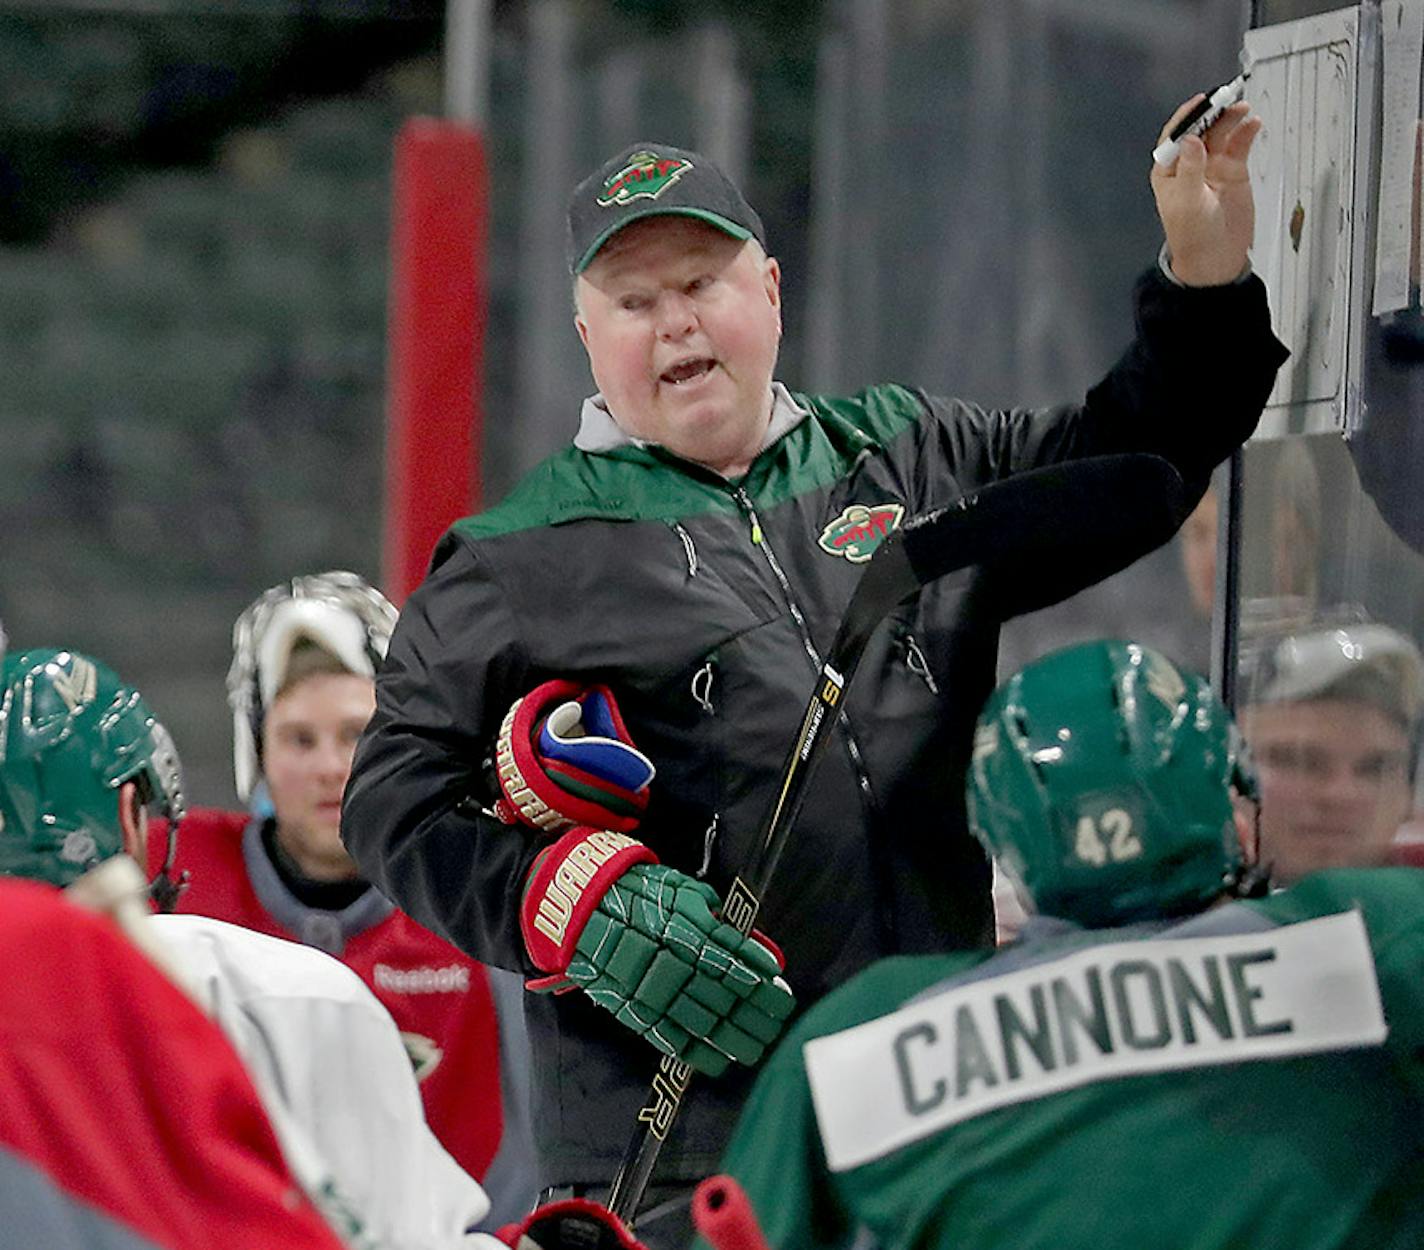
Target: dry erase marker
1202	117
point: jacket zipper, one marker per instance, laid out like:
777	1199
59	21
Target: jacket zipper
915	661
709	840
883	913
759	540
689	549
702	681
701	686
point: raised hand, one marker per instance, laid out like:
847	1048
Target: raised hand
1204	198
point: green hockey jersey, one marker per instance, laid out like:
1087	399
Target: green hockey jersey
1251	1077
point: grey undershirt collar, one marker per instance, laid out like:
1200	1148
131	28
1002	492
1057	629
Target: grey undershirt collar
599	430
326	930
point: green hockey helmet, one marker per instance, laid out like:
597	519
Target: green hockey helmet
71	733
1101	778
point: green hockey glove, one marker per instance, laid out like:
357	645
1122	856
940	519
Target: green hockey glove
644	942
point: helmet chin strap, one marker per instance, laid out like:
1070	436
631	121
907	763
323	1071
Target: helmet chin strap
163	889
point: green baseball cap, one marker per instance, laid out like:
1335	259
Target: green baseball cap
651	180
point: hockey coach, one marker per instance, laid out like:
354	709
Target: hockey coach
658	596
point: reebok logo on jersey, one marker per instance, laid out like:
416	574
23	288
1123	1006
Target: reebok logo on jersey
860	529
646	176
452	979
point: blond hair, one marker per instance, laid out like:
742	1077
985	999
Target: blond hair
308	659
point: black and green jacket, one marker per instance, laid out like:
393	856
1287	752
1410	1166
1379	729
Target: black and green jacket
705	605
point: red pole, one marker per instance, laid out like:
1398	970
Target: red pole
437	314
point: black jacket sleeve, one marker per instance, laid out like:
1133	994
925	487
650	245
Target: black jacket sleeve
414	814
1190	388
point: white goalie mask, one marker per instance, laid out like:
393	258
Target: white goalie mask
339	611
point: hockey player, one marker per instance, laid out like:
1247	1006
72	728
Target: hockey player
1157	1061
80	756
300	686
1333	711
694	550
127	1121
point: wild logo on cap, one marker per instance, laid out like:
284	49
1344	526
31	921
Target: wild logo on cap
646	176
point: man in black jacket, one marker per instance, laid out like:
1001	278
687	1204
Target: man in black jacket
685	563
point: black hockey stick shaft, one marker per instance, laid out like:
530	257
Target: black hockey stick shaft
1103	512
1043	516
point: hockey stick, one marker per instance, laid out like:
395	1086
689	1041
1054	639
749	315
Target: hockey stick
1100	513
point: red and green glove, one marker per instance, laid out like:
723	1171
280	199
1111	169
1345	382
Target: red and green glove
644	941
564	758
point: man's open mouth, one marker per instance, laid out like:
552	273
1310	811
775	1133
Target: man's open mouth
687	370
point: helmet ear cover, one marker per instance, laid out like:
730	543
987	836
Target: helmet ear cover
338	611
1101	779
71	734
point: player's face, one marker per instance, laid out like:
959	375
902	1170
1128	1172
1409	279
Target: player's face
308	739
1334	780
682	323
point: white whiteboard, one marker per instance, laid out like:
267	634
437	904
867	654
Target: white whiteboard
1397	196
1303	85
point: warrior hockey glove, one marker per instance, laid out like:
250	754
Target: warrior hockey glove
564	758
573	1224
644	942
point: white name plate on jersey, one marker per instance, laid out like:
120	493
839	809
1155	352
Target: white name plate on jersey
1109	1011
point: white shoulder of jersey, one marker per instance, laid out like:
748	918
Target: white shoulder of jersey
322	1045
228	958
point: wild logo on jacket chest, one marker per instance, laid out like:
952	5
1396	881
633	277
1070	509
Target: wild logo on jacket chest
860	529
